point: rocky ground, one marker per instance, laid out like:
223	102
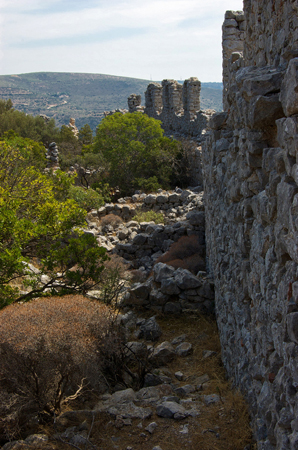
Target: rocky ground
184	400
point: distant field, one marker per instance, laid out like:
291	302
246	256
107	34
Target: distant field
83	96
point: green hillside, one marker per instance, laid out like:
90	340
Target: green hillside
83	96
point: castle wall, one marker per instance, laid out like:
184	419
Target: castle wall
250	170
178	107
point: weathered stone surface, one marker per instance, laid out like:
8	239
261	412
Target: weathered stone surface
184	349
289	89
130	411
162	271
186	280
169	286
222	145
218	120
264	111
150	199
196	218
162	354
150	330
210	399
140	239
171	410
252	216
292	326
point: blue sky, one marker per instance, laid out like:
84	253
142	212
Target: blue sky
154	39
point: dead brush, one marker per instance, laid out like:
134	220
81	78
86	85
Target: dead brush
49	351
112	280
186	253
110	219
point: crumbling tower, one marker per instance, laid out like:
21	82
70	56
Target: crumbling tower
153	99
134	103
191	97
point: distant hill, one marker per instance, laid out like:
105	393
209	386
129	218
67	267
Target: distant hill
83	96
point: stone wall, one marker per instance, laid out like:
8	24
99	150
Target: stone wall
250	169
176	105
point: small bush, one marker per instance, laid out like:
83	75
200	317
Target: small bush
149	216
111	219
186	253
112	280
86	198
50	351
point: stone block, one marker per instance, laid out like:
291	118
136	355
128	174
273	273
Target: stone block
289	89
218	120
264	111
162	271
292	326
230	23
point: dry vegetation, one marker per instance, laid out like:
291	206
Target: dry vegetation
186	253
111	219
223	426
50	351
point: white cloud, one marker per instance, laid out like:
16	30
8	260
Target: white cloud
166	46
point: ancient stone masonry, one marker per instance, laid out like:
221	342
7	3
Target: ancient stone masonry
176	105
134	103
72	126
52	155
250	169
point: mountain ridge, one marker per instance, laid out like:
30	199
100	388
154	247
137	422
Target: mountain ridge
84	96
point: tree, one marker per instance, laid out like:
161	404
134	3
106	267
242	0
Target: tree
86	135
135	149
35	224
25	125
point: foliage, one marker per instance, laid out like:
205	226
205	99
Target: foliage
86	198
86	135
62	183
50	353
148	184
26	126
149	216
34	224
33	153
187	253
134	147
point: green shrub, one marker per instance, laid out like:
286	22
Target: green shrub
134	148
86	198
148	184
149	216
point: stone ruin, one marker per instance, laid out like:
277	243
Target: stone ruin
134	103
176	105
52	156
250	167
72	126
